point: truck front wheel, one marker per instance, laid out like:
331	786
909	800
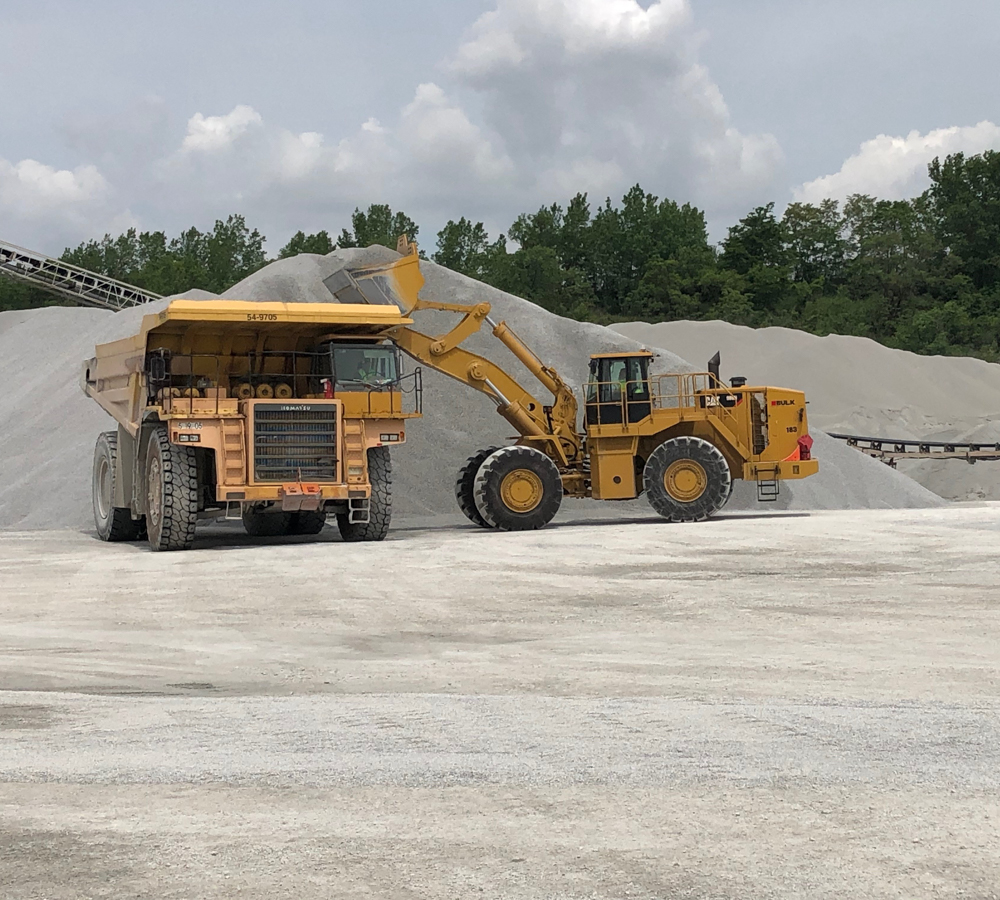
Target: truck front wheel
687	479
171	493
114	523
380	504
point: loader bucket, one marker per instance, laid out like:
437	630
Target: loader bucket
397	283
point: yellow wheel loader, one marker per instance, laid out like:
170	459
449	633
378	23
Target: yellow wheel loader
680	439
278	414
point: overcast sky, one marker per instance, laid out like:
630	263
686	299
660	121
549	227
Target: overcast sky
166	115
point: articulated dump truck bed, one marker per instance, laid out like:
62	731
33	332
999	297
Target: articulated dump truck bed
278	413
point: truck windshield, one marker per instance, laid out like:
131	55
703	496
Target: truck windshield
357	368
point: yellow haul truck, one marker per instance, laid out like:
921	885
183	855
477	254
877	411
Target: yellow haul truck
681	439
276	413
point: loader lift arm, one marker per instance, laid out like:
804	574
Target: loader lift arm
552	428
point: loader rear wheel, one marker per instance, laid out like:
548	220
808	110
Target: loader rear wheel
308	522
171	493
380	504
114	523
518	489
257	523
465	486
687	479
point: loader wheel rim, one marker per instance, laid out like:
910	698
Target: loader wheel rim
521	490
104	489
685	480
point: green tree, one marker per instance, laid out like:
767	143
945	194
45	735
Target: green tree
757	240
964	203
464	247
301	242
815	241
379	225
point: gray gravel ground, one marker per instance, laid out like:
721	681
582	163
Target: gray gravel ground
758	707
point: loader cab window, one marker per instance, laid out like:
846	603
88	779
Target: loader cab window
618	390
359	367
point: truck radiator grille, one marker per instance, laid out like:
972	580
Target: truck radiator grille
295	443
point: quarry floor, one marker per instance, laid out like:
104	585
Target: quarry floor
784	706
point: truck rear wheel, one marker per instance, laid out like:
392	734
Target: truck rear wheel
114	523
308	522
171	493
380	504
465	486
257	523
687	479
518	489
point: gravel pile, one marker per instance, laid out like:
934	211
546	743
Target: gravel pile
46	444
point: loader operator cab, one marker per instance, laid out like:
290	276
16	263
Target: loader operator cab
618	390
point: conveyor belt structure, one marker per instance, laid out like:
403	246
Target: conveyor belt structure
69	281
889	450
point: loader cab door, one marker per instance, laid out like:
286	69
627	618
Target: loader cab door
618	390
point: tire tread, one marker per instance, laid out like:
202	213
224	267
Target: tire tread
380	504
180	493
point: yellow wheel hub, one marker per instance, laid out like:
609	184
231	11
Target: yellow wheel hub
685	480
521	490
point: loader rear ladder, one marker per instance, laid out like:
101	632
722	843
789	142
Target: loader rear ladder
768	486
69	281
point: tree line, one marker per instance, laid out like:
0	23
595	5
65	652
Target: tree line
920	274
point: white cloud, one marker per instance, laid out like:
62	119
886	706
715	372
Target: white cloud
53	206
894	168
606	85
30	186
441	139
208	133
539	100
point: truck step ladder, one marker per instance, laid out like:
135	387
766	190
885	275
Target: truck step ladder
234	452
356	469
69	281
355	459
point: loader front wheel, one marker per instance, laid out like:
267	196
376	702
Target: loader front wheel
171	493
687	479
114	523
380	504
518	489
465	486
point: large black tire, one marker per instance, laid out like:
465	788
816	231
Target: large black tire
171	493
307	522
518	489
687	479
266	524
465	486
114	523
380	504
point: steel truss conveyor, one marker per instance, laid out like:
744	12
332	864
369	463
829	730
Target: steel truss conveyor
69	281
889	450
